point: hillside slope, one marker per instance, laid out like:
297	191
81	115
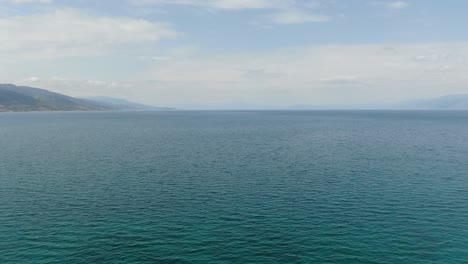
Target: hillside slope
22	99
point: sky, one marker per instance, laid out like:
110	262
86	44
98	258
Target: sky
237	53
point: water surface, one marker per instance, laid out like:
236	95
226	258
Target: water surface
234	187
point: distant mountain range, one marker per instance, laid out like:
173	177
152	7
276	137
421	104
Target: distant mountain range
122	104
23	99
449	102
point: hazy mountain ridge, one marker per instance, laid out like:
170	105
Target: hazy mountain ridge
448	102
25	99
123	104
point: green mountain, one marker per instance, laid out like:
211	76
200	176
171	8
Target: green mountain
24	99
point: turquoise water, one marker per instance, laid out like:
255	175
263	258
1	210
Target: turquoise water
234	187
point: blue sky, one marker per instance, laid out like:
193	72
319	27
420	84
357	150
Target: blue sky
253	53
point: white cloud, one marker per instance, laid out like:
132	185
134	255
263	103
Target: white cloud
297	17
224	4
398	4
251	4
335	74
30	1
318	74
289	11
31	79
69	32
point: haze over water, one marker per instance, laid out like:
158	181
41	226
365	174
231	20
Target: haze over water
234	187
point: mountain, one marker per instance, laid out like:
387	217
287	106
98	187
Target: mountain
22	99
300	107
448	102
122	104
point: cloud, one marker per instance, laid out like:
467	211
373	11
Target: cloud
290	11
30	1
297	17
318	74
251	4
329	74
398	4
69	32
31	79
342	80
223	4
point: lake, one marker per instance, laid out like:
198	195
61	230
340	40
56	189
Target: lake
234	187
